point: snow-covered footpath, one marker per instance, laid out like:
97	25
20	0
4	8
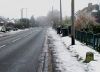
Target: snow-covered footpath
70	58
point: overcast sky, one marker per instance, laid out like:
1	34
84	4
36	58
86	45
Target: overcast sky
11	8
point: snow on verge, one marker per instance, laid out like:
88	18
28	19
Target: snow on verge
80	50
11	32
66	57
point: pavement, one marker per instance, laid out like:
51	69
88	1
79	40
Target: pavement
20	52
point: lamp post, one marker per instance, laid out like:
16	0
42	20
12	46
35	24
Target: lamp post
73	27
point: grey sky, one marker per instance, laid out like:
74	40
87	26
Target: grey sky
11	8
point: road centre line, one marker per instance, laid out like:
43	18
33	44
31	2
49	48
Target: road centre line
16	40
20	38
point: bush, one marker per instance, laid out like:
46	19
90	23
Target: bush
96	29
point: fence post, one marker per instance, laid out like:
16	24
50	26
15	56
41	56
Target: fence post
97	44
81	36
86	39
94	41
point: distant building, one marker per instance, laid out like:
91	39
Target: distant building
6	24
90	11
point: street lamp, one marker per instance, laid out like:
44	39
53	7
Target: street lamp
73	27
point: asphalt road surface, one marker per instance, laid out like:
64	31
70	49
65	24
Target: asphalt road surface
20	52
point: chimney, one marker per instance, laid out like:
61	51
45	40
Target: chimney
90	5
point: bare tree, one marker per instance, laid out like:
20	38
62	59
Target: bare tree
54	18
84	22
32	22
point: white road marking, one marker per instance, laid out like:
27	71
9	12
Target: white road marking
16	40
25	35
19	38
2	46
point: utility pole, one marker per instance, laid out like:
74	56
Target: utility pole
99	6
52	17
60	12
26	12
73	27
21	13
52	11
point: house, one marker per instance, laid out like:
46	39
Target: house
6	24
92	11
2	24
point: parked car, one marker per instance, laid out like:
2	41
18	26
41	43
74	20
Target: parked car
15	29
2	29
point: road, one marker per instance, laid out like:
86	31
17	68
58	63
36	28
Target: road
20	52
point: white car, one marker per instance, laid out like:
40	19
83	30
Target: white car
2	29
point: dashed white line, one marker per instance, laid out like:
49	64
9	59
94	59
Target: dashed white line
25	35
16	40
2	46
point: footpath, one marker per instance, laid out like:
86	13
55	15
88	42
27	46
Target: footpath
64	57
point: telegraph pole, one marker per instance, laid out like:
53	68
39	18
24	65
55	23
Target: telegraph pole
21	13
73	27
60	12
26	12
52	17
